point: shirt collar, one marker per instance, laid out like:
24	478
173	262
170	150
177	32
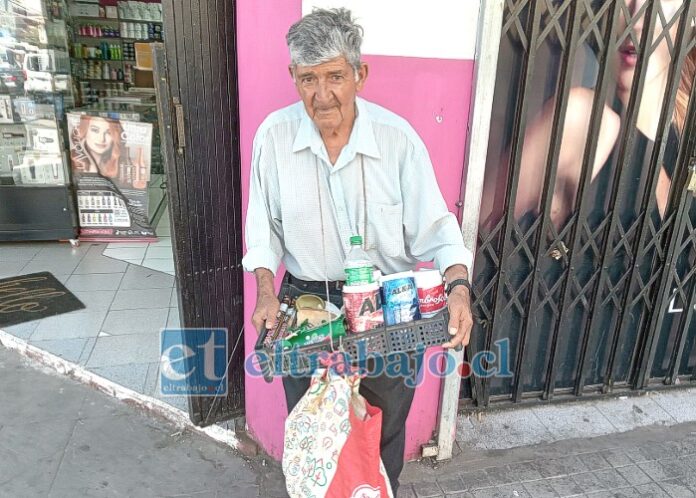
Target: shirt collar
362	137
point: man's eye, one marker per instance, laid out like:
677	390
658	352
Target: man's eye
306	79
337	77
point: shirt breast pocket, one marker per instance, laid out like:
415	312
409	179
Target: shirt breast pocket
385	233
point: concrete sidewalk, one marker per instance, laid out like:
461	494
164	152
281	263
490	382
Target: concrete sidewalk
60	438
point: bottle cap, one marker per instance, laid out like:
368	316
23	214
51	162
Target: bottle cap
356	240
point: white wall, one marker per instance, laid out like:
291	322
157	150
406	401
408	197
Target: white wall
440	29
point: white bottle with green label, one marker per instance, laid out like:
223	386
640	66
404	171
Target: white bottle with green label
358	266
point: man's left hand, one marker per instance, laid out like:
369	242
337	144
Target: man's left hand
461	320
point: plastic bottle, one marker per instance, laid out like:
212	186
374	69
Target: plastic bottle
358	267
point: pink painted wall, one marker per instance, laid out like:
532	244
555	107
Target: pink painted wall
432	94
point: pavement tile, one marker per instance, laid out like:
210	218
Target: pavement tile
655	470
540	489
427	490
96	299
656	450
88	283
23	330
634	453
173	320
555	467
653	490
624	493
501	475
87	351
476	480
676	488
23	474
634	411
594	461
100	264
151	379
507	491
159	252
131	299
34	399
565	486
124	349
588	482
634	475
676	467
133	375
137	277
174	300
680	405
505	429
11	268
60	266
525	471
405	491
451	485
19	252
69	325
68	349
61	250
611	479
574	421
616	457
128	322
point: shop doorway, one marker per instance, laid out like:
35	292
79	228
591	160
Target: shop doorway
196	74
586	257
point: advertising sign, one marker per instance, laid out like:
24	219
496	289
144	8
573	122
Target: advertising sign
110	161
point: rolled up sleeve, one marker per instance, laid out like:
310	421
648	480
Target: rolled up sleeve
431	231
262	235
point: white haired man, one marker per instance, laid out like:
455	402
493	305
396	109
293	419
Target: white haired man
333	166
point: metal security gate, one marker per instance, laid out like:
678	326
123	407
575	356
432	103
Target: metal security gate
586	257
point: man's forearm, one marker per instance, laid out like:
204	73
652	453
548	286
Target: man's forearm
264	282
455	272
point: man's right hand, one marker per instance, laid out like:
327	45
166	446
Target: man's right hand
267	304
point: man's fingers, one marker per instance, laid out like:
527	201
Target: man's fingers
456	340
455	318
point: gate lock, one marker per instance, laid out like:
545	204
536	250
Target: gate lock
692	178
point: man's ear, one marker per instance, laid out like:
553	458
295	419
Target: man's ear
362	75
291	70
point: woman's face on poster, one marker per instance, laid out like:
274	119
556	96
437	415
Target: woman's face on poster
99	139
660	58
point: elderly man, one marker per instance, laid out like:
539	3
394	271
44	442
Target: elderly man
333	166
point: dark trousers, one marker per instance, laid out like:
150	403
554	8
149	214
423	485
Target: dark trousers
391	395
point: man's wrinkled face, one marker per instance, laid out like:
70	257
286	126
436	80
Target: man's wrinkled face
328	92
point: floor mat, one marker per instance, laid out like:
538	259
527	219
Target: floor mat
31	297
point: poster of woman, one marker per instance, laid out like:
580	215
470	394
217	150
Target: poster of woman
110	161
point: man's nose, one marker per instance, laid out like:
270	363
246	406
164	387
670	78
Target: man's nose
323	93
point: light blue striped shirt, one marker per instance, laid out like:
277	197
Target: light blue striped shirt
406	218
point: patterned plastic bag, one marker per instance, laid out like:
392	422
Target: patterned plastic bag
332	440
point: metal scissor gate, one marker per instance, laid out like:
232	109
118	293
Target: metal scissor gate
586	257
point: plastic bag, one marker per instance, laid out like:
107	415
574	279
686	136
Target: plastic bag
332	440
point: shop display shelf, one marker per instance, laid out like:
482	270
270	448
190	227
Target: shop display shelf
140	20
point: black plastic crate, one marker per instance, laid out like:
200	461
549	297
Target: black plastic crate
404	337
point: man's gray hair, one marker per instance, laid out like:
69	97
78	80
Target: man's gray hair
324	35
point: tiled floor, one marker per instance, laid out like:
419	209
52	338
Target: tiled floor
155	255
117	334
